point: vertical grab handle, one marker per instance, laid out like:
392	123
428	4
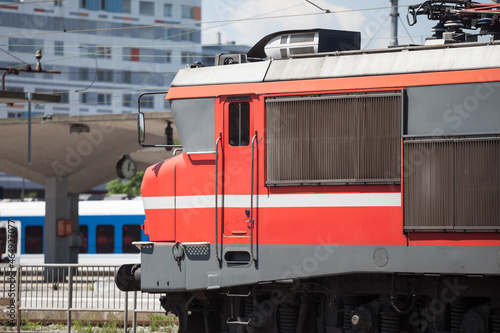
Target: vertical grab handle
217	195
254	139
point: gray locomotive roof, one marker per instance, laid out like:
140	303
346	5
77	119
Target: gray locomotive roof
403	60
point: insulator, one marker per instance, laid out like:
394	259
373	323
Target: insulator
389	322
453	25
485	21
457	310
288	318
438	28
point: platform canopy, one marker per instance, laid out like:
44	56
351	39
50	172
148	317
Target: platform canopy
82	149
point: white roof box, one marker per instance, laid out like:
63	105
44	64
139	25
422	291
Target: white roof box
286	44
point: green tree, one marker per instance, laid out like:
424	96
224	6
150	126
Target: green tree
122	186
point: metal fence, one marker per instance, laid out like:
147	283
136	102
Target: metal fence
69	288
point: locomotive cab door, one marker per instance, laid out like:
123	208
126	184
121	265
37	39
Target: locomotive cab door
240	173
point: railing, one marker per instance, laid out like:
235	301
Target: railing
69	288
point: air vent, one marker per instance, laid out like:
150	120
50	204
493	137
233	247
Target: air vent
311	41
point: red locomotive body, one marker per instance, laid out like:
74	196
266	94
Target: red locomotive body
353	191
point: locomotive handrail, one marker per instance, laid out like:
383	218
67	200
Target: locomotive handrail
251	199
217	195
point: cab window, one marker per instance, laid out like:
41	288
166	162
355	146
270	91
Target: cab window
239	123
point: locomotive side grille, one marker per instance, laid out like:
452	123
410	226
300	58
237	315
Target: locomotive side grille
333	139
477	186
428	185
380	133
452	184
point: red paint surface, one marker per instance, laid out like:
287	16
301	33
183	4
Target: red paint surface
195	176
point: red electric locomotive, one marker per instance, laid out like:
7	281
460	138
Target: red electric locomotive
322	188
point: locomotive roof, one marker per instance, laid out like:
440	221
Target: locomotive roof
398	60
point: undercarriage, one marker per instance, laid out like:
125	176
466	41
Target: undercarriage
372	303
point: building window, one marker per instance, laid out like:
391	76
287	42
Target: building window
187	12
131	54
126	77
64	96
83	73
147	102
147	55
58	3
105	239
103	4
25	45
104	52
239	124
167	10
59	48
126	8
146	8
87	50
127	100
104	99
168	56
131	233
105	75
188	35
83	4
84	98
84	231
33	239
187	57
168	33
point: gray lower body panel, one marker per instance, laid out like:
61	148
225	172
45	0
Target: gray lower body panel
199	268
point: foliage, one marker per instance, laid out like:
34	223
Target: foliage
130	187
162	323
30	326
110	327
30	195
79	326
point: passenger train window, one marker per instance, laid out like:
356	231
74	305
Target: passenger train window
84	231
3	240
105	239
33	239
239	123
131	233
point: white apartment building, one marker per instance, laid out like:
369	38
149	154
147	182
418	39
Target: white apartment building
108	51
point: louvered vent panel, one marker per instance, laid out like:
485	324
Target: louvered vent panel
333	139
380	144
428	185
477	184
452	184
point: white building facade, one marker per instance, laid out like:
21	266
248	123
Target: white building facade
108	52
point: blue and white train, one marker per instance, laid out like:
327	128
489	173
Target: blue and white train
107	228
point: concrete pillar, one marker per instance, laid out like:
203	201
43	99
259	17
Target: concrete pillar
59	205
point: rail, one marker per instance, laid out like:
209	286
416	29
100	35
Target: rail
69	288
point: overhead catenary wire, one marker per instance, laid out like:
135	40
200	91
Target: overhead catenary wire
255	18
170	37
220	22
